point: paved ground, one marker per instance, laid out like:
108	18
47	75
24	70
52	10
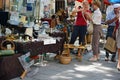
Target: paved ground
76	70
85	70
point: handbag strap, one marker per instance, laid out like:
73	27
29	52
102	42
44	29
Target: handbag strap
84	17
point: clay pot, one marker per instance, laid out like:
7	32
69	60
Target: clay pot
65	59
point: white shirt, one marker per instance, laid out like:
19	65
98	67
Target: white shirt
97	17
110	16
109	9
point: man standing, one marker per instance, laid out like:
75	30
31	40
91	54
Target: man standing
111	19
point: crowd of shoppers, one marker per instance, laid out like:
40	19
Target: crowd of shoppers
80	28
85	15
111	19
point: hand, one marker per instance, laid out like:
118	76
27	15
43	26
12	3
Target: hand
114	35
88	16
117	17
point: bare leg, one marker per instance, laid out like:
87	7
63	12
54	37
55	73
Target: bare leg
94	58
79	52
118	65
119	55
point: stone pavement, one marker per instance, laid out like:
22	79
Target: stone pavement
76	70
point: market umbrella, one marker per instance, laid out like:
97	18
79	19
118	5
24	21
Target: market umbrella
111	1
114	1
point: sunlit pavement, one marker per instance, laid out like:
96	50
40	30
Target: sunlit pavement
85	70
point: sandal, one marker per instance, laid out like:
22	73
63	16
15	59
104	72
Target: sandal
93	59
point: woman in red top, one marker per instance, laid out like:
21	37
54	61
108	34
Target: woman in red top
80	26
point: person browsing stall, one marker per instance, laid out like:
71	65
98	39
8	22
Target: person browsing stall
80	26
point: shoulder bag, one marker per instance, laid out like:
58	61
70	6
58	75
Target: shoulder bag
110	45
89	25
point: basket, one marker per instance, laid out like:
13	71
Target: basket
5	43
65	59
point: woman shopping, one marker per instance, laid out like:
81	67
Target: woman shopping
117	32
80	26
97	30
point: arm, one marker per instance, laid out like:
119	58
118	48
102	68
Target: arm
109	21
88	16
75	10
112	20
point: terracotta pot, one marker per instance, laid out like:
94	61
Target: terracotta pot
65	59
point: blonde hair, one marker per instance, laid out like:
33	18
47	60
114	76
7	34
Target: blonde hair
86	3
97	3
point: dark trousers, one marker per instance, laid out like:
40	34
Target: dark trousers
113	55
110	30
78	31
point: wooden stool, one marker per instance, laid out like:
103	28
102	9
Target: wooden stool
80	48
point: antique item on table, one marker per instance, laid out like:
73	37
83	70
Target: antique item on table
7	31
36	29
20	24
6	52
10	37
7	45
23	19
110	45
45	24
29	31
